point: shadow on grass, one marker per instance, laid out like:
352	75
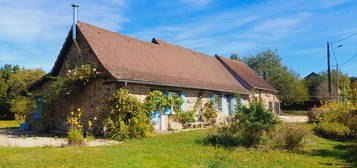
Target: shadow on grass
339	152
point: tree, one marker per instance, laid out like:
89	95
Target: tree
312	83
343	83
13	82
354	91
235	56
267	64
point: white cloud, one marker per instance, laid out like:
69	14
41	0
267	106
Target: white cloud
25	21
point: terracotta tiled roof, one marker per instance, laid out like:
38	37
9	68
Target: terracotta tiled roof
245	74
128	58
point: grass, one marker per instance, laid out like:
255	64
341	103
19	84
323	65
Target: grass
9	123
294	112
184	149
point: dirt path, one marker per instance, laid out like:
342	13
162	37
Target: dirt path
10	139
296	119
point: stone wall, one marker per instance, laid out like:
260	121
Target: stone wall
268	97
92	101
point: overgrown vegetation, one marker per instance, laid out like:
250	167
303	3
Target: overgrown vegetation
290	136
73	81
75	131
335	120
333	130
251	126
13	94
209	113
126	117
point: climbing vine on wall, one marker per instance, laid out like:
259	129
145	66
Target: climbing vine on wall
73	81
156	100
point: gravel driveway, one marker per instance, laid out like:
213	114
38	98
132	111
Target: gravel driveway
15	138
295	119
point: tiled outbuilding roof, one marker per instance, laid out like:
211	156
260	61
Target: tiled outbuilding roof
245	74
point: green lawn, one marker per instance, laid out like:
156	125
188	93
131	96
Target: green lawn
9	123
184	149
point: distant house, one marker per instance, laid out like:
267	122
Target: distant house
141	67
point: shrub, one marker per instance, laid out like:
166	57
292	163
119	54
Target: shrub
209	112
185	116
343	113
290	136
248	129
75	133
224	136
22	106
126	117
255	122
312	114
75	137
333	130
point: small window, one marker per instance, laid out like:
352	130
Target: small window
270	105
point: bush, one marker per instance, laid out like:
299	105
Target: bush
248	129
185	116
75	137
290	136
224	136
22	106
126	117
255	122
312	114
209	112
75	133
332	130
343	113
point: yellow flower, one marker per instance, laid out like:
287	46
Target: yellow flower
90	123
95	118
78	109
72	113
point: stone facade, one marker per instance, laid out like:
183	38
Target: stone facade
92	101
269	100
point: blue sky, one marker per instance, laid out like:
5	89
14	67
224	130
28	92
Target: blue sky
32	32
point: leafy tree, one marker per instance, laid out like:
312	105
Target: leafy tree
344	83
311	83
14	82
267	64
354	92
235	56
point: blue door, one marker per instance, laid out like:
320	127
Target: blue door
156	119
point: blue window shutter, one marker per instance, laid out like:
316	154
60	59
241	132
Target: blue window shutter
167	110
234	104
223	103
213	100
183	96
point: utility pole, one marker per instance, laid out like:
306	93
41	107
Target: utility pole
328	69
338	82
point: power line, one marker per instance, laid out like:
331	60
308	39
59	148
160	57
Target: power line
347	37
355	56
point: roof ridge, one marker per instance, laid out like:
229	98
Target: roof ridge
157	41
116	33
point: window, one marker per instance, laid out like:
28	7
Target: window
270	105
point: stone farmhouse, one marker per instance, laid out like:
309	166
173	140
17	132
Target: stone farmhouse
141	67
